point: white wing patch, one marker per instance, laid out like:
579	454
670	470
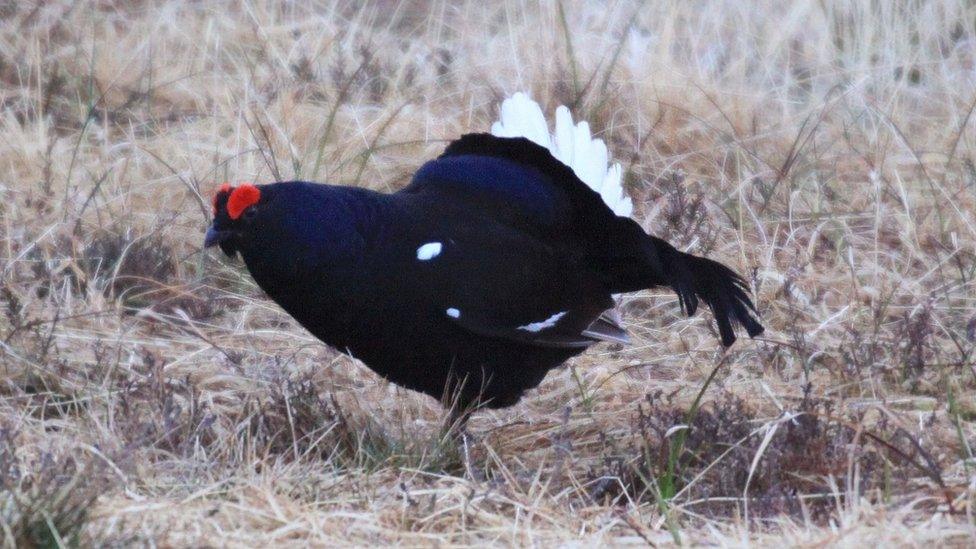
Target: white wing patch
453	313
429	251
547	323
571	144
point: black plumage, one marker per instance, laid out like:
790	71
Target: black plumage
492	267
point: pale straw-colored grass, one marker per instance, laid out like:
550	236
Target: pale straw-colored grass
150	393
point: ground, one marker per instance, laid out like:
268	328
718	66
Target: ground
150	394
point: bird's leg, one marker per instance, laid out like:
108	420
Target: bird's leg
456	424
459	407
456	427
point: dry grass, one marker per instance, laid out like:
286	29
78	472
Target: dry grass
150	394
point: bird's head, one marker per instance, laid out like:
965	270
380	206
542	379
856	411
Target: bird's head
284	229
236	217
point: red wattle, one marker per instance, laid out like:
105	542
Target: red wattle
242	197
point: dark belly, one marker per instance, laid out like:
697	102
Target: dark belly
427	353
493	372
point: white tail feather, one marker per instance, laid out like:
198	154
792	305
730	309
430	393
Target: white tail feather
570	144
522	117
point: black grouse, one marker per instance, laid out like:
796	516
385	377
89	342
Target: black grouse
493	266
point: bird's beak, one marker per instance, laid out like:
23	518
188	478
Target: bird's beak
214	237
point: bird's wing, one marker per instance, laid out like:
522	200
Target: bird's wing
546	255
525	291
519	184
493	279
568	328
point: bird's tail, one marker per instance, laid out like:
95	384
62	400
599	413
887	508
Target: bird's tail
692	277
571	143
725	292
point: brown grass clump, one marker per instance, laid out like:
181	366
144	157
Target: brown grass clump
149	394
802	464
47	495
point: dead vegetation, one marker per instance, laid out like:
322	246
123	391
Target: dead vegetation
150	394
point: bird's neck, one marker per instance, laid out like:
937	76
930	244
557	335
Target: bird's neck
319	250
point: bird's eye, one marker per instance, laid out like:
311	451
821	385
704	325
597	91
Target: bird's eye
250	213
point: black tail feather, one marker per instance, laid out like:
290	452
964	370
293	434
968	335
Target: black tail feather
725	292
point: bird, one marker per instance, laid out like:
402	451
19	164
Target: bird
500	260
